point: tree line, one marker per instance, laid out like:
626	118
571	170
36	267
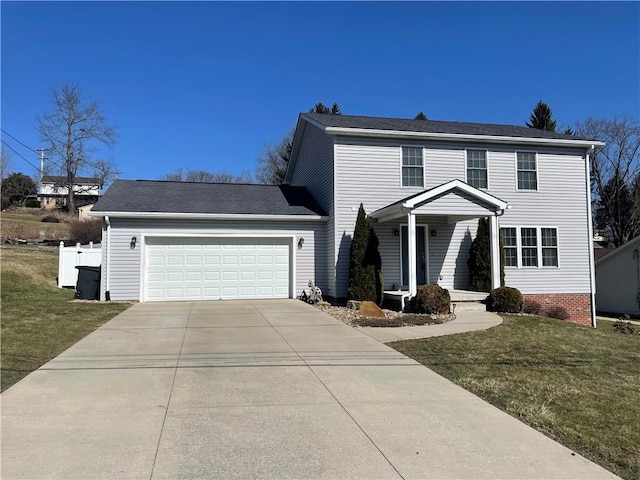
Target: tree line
76	132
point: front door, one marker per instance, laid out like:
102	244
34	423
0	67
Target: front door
421	255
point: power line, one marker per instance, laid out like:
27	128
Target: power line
25	146
23	158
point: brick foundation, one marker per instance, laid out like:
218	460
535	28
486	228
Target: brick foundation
578	305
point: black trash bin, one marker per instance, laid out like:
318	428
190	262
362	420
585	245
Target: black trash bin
88	286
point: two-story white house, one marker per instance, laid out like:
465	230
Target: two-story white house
53	191
425	184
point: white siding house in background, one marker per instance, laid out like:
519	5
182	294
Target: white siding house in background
424	184
53	191
618	280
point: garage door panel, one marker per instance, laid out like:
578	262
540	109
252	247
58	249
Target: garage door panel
216	268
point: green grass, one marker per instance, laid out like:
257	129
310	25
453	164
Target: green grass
39	320
577	385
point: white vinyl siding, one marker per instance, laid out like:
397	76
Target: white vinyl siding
618	280
527	170
477	168
126	264
412	167
368	171
314	169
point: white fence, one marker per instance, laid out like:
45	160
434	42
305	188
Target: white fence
70	257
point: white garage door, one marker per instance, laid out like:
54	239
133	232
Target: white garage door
216	268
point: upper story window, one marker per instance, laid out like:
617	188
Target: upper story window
412	167
527	170
477	168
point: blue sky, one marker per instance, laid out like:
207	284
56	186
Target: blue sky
203	85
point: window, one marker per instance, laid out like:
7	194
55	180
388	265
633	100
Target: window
529	241
530	246
477	168
549	247
412	167
510	246
527	171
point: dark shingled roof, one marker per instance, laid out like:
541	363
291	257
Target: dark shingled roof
58	180
138	196
433	126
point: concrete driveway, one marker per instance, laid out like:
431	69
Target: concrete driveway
257	389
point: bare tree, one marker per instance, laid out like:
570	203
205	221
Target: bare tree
5	162
274	160
74	130
615	176
202	176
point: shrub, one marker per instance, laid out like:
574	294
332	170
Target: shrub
50	219
506	299
32	203
479	262
431	299
532	307
85	231
558	312
623	327
365	277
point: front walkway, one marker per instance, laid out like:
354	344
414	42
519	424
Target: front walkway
466	321
257	389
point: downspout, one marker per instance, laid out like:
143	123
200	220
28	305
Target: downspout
592	276
107	293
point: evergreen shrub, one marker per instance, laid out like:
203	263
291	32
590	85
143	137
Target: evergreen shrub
506	300
431	299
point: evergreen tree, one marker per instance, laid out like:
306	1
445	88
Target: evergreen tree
365	279
480	258
322	108
17	187
421	116
542	118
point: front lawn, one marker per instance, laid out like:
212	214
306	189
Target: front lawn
39	320
577	385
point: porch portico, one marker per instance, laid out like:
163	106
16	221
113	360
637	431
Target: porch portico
451	202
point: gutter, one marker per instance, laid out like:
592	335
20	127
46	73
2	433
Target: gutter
366	132
107	292
210	216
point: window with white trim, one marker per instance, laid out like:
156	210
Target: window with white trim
549	238
412	167
530	246
477	168
510	246
527	170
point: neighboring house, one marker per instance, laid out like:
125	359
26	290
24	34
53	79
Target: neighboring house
618	280
54	191
425	184
83	211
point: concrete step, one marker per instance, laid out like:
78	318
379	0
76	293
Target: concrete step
469	306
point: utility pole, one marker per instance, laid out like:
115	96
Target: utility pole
41	150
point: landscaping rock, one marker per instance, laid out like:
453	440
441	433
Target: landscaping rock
353	304
370	309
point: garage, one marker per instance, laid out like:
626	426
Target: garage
217	268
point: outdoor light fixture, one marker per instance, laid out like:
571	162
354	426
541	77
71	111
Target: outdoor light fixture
434	233
133	242
300	242
396	232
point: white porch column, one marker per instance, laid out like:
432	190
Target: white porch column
495	252
411	234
